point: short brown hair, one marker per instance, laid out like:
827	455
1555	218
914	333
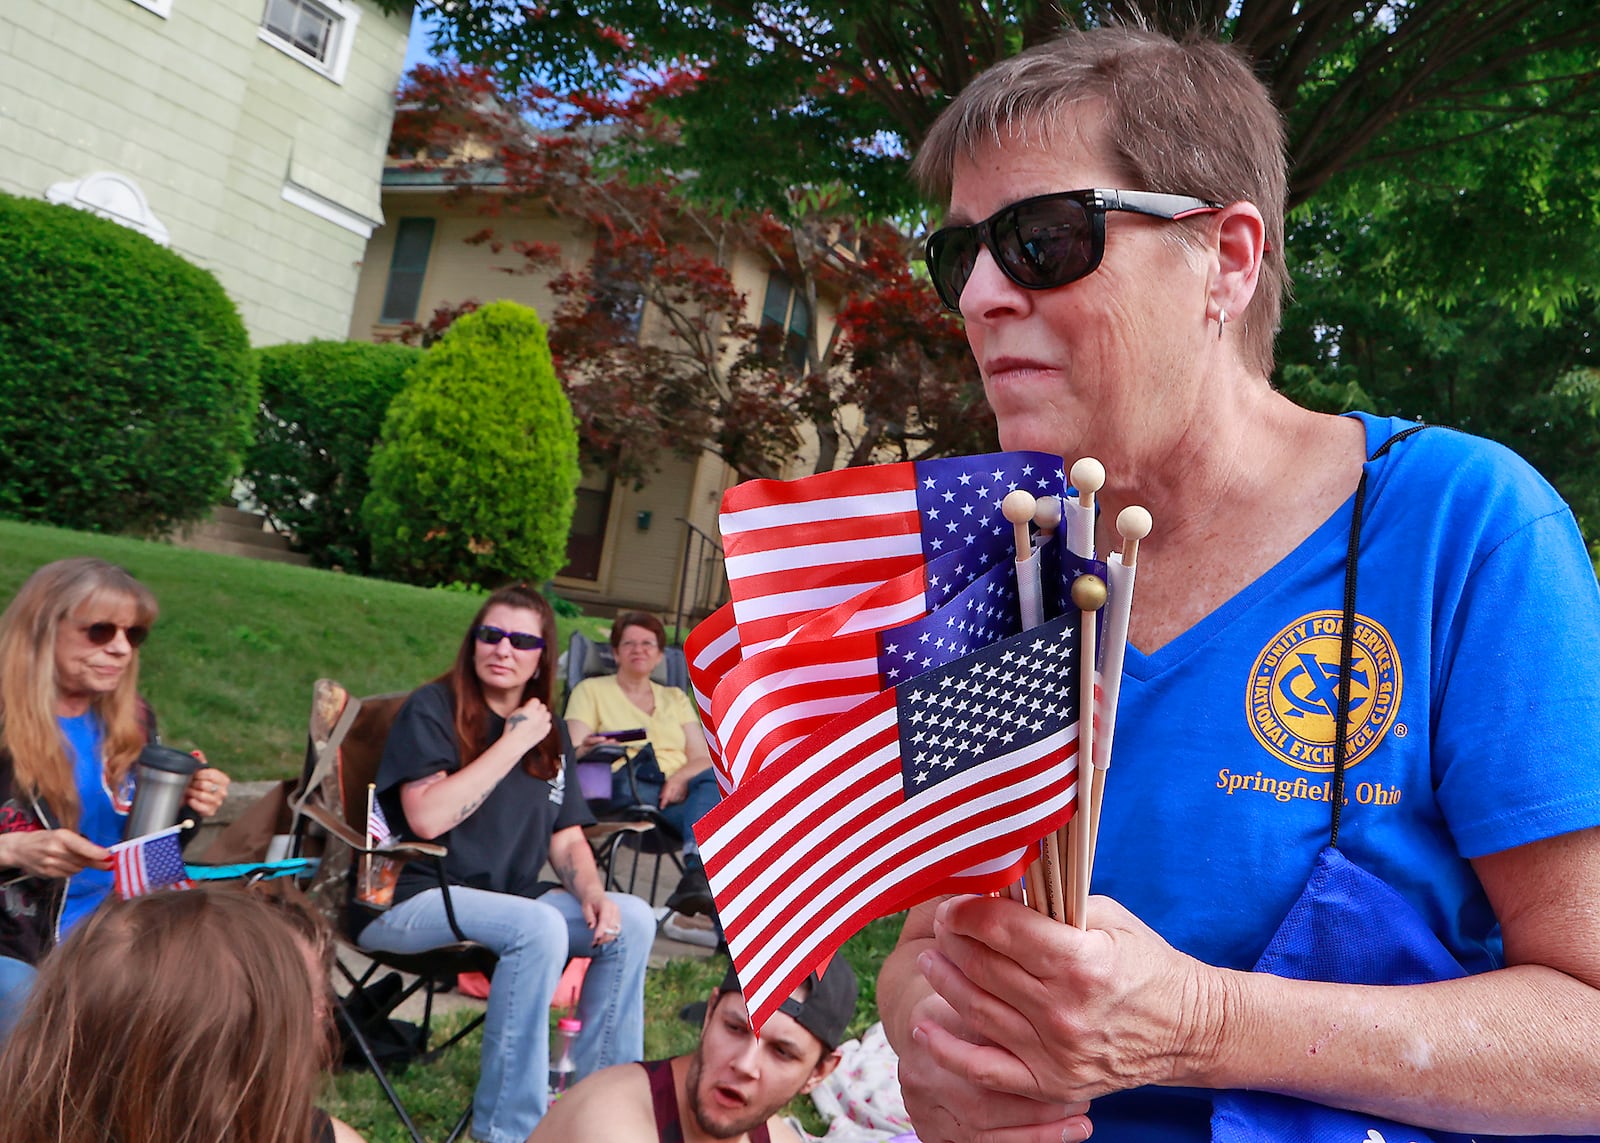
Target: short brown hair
171	1018
638	619
1182	118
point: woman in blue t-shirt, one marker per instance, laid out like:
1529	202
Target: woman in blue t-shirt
71	725
1344	880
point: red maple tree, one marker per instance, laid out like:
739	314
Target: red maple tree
655	344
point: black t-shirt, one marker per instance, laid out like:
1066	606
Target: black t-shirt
502	846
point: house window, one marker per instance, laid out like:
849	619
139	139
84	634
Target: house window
162	8
785	308
613	297
318	33
413	240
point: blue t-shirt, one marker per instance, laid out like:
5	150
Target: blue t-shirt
99	818
1473	706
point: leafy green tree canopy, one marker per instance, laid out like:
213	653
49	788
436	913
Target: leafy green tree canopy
126	380
475	478
815	93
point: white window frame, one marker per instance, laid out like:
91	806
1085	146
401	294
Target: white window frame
346	17
162	8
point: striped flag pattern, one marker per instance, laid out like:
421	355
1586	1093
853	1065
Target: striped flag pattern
775	698
929	785
797	547
146	863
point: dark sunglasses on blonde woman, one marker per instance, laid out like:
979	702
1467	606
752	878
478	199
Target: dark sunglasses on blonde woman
102	633
1045	241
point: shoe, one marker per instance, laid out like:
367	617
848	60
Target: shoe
692	930
693	894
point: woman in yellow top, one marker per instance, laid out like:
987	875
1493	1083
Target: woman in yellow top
679	779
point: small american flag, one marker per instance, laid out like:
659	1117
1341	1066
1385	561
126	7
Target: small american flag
946	780
150	862
796	547
772	700
378	832
777	697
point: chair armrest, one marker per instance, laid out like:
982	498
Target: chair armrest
341	829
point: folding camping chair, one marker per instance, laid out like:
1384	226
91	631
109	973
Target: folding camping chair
634	826
345	745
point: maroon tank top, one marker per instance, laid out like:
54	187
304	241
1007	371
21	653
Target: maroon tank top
664	1101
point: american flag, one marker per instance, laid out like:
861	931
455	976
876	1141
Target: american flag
906	795
777	697
797	547
378	832
149	862
712	650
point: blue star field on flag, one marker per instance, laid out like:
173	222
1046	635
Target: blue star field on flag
1020	689
959	498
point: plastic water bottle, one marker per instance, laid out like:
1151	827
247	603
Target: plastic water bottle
561	1065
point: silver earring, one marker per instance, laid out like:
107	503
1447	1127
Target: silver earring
1222	320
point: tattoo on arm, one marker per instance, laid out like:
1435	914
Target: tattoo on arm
515	720
466	810
567	870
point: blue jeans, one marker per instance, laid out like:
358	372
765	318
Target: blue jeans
533	940
703	793
16	979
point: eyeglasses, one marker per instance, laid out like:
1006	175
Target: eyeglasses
638	645
102	633
1045	241
521	640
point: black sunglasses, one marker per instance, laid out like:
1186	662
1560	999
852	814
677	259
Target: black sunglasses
102	633
1044	241
521	640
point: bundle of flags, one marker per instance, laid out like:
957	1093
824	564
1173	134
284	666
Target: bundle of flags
143	864
883	727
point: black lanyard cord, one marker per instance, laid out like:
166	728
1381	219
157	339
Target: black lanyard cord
1347	636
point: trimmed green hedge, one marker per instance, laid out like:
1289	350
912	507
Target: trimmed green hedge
322	407
475	478
126	381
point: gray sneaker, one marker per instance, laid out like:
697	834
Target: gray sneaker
692	929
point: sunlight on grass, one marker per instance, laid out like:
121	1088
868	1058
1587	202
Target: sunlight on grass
230	664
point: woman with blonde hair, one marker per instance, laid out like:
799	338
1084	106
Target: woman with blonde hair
71	725
174	1018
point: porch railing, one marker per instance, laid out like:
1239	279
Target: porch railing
702	584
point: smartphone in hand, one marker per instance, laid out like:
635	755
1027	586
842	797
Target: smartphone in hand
622	735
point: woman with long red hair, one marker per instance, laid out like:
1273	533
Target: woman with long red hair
473	762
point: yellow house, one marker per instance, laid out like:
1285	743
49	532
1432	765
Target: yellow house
655	548
248	135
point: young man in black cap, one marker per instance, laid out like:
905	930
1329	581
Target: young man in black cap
731	1088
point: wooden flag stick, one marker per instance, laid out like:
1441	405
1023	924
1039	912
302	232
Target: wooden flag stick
366	841
1088	477
1133	525
1018	507
1089	595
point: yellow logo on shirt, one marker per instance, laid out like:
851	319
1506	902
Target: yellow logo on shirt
1293	694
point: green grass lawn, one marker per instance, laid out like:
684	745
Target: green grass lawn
230	664
229	668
